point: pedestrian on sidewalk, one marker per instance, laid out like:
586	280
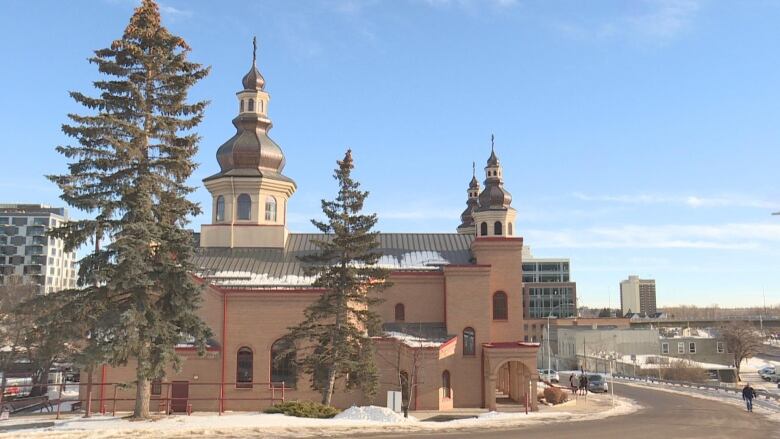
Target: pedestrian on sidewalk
573	383
748	393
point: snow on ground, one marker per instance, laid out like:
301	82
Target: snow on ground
769	408
372	413
362	419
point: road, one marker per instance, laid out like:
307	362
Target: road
664	416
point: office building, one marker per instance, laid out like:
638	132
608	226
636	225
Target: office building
547	287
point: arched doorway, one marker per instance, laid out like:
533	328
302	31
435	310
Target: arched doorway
510	375
513	387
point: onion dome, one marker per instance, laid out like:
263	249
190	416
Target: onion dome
494	196
251	152
467	218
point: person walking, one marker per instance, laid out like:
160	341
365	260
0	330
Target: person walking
583	384
748	393
573	383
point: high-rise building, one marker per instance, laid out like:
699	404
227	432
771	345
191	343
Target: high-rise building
547	287
637	296
27	255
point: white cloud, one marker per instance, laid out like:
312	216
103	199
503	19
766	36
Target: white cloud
665	19
174	12
656	20
693	201
735	236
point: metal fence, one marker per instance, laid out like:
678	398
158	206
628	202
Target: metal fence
60	397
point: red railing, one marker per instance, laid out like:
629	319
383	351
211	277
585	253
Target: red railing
53	395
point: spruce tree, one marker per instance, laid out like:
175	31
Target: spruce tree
129	168
335	333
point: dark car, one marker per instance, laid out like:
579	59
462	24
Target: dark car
597	383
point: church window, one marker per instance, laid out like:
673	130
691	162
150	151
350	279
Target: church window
445	384
497	229
283	364
241	106
244	365
469	347
483	229
270	208
220	208
509	229
244	207
400	312
500	307
251	105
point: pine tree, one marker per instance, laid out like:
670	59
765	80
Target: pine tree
336	328
129	169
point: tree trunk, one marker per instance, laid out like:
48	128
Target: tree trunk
88	402
327	390
142	395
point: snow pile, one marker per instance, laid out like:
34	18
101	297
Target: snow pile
372	413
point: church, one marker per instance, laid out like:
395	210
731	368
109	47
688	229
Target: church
452	320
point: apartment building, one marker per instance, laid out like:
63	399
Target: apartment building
27	255
638	296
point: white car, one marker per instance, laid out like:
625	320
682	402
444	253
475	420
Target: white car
549	375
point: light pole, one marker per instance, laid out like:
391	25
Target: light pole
549	315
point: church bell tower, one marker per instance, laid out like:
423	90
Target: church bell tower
249	193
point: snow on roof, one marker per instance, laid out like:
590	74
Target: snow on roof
414	341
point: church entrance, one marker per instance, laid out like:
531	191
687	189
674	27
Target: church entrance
510	376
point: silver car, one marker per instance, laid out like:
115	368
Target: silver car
597	383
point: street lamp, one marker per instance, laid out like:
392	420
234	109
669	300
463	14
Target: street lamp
549	315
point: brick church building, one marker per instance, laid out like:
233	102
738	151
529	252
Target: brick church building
452	319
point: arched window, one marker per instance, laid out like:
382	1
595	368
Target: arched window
283	363
483	229
497	229
244	211
244	364
241	106
445	384
500	308
469	347
400	312
270	208
509	229
251	105
220	208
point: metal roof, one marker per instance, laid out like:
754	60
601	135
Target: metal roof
275	267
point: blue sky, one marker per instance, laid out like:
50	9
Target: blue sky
636	137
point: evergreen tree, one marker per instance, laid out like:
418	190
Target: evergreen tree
336	328
130	167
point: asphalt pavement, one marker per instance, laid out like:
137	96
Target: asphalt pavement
664	416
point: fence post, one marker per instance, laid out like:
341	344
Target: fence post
113	407
283	386
168	401
59	400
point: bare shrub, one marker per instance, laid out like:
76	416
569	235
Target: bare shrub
555	395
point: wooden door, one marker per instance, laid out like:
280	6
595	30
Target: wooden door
180	392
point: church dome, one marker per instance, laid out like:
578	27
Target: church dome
250	147
253	80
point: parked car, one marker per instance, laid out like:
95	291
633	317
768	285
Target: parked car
597	383
549	375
